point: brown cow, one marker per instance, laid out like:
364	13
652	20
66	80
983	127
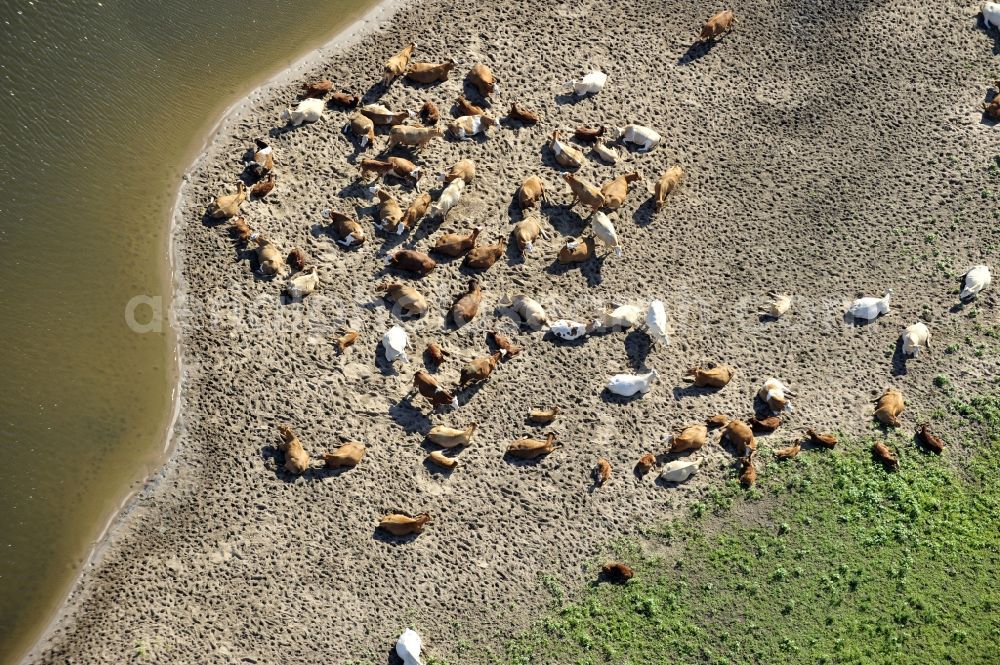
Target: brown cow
532	190
667	183
483	257
429	72
414	137
396	65
456	244
479	369
888	407
882	453
317	88
525	115
412	261
584	192
928	439
718	25
482	79
602	471
715	377
429	388
616	190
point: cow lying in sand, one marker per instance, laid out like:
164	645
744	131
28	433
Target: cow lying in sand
429	72
412	137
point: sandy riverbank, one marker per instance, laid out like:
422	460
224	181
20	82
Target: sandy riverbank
829	152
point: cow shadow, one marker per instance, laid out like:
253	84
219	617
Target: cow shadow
557	268
358	189
393	541
467	393
513	124
991	95
358	151
322	472
382	364
520	462
417	85
425	227
991	32
566	221
899	359
408	416
212	222
570	98
375	92
696	51
638	345
272	456
391	240
855	322
514	212
471	93
245	253
671	456
611	398
644	214
761	409
444	259
513	252
289	128
691	390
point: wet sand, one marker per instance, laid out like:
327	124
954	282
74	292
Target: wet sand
831	152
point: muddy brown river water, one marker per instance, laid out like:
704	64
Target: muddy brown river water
104	105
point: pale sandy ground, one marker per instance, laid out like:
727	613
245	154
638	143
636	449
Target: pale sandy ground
833	149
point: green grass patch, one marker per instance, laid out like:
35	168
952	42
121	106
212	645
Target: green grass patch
837	562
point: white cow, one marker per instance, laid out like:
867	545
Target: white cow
591	84
568	330
915	338
408	647
394	343
656	322
991	14
678	471
977	279
645	137
308	110
869	309
627	385
448	199
603	228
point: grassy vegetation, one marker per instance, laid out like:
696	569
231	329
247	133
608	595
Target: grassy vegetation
833	560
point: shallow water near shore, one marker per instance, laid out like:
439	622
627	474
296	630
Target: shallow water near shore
104	106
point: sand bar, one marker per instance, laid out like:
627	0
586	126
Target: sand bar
831	151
